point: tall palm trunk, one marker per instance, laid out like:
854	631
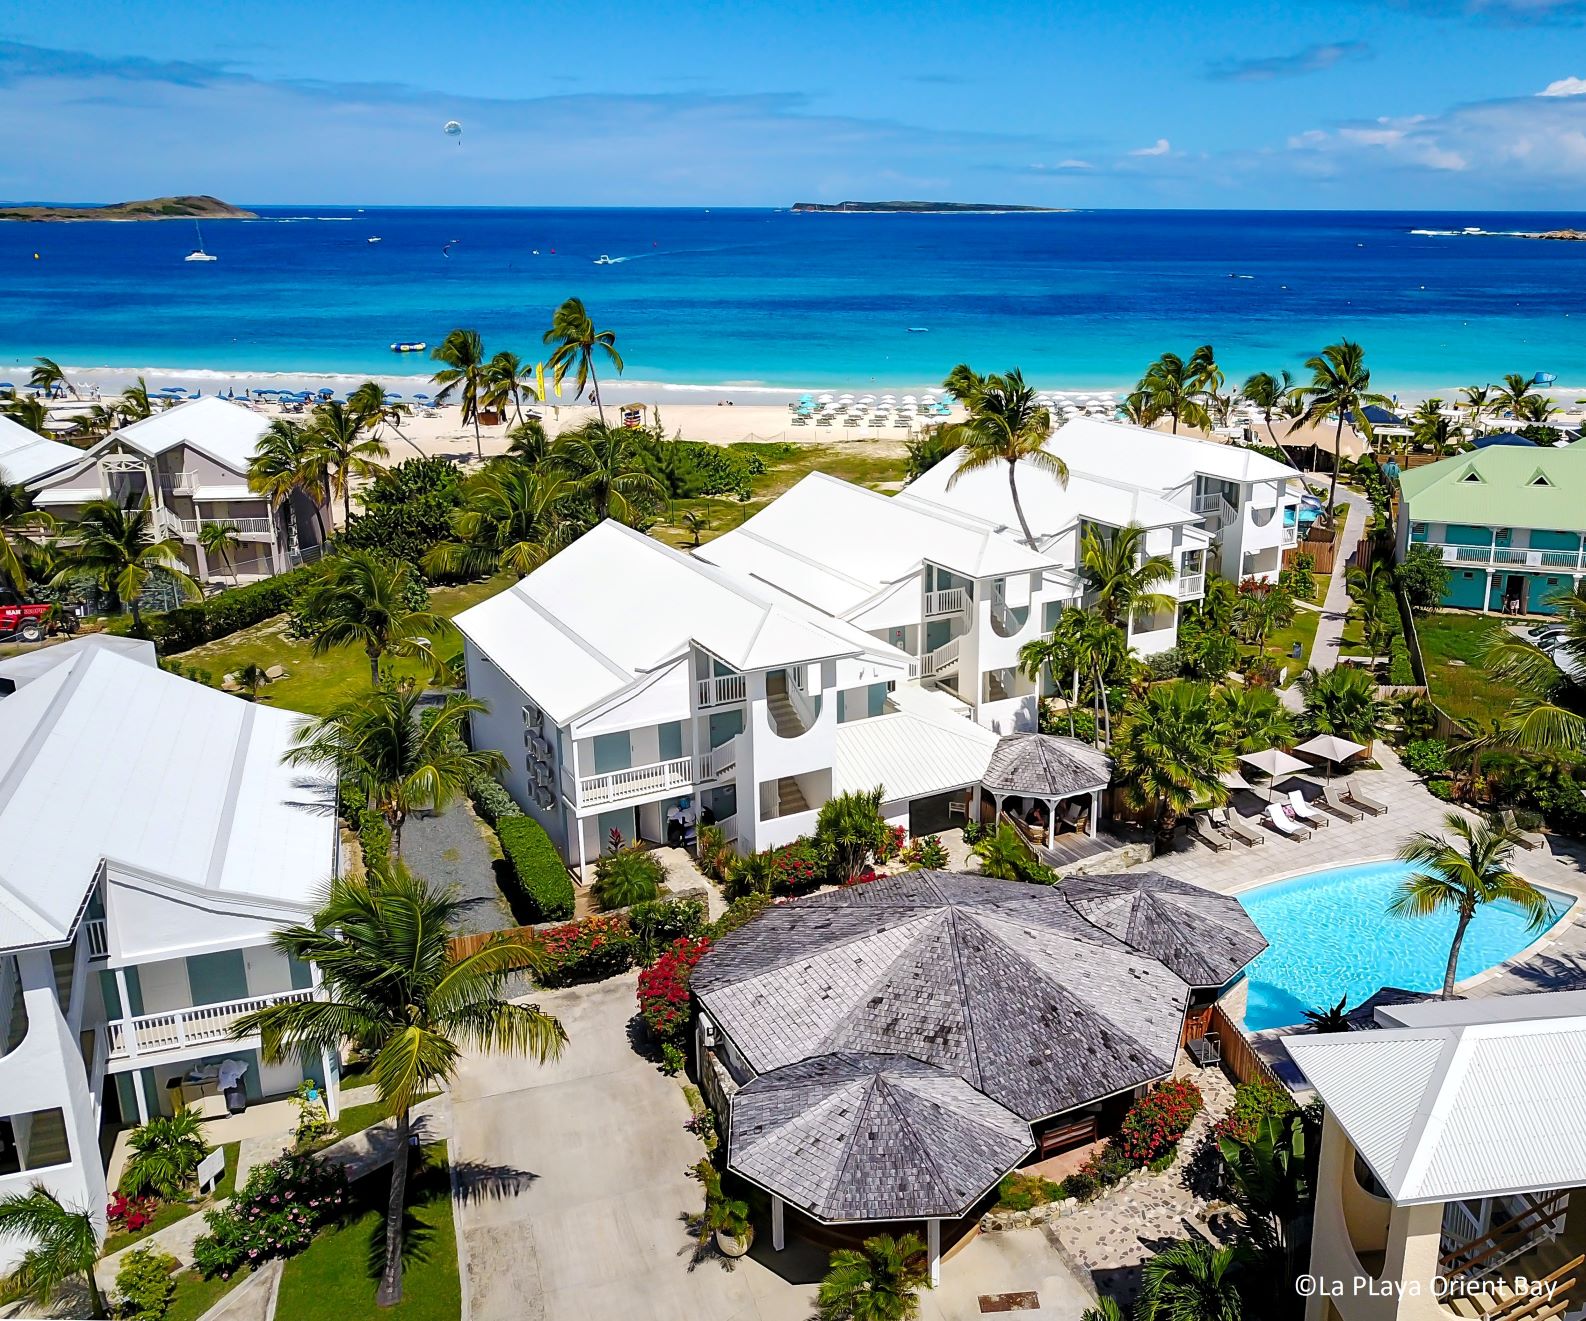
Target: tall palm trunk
94	1294
594	384
346	499
374	665
1018	508
479	444
1332	487
1467	910
390	1291
1072	703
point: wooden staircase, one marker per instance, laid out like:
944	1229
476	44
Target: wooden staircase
63	962
784	716
1503	1303
1488	1263
790	798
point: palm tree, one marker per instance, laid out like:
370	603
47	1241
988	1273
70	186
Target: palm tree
373	410
1106	1309
1340	701
1513	395
1172	746
1174	388
465	373
361	599
64	1243
1255	717
877	1282
694	523
1536	408
607	465
507	380
134	404
963	383
1432	430
1462	873
118	548
19	522
377	742
250	678
577	345
1371	587
1006	425
288	460
1478	398
1340	384
31	412
513	518
1193	1281
1118	569
221	539
49	377
337	432
1270	394
1258	613
394	987
527	442
1549	715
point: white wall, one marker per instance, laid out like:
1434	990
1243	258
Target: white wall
146	921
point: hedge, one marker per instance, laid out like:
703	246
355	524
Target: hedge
493	803
225	613
542	880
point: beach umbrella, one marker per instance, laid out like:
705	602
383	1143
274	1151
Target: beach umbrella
1233	780
825	399
1330	748
1274	762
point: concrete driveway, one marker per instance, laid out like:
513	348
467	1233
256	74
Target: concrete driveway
573	1187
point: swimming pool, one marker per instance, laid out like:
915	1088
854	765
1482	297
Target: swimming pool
1330	935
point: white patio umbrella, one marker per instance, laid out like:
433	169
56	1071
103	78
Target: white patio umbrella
1275	762
1331	748
824	399
1233	780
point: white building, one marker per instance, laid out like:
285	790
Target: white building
153	839
191	464
25	456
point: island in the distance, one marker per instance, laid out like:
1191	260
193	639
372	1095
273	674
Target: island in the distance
200	207
921	208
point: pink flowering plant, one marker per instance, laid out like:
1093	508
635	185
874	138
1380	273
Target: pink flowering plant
274	1214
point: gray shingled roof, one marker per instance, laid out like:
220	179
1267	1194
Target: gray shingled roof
1004	984
855	1136
1206	938
1046	766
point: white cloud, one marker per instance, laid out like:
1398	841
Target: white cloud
1161	147
1565	87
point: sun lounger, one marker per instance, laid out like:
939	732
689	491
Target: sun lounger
1208	834
1303	811
1236	827
1363	801
1527	839
1280	822
1333	803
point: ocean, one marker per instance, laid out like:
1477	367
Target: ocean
777	299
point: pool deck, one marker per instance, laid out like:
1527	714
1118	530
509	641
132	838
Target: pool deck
1555	962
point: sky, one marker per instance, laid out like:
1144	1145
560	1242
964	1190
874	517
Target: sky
1355	104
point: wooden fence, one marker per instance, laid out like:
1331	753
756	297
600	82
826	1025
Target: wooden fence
1238	1054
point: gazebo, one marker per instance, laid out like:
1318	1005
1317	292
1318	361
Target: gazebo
1050	769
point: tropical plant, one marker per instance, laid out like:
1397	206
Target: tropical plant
1270	395
360	599
1006	424
377	744
30	411
1423	576
1123	574
145	1285
62	1243
1004	856
1175	388
1371	587
465	374
338	433
1106	1309
1193	1281
607	466
1340	385
1513	396
250	678
513	517
1549	715
1461	871
753	873
1271	1174
1254	716
288	461
507	380
1261	611
134	403
166	1152
694	523
926	450
1081	644
1478	398
1431	430
221	539
578	344
1341	701
20	524
723	1215
395	988
879	1281
1172	746
119	550
626	876
49	376
849	830
1335	1018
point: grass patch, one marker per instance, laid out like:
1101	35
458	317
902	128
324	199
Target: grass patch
356	1118
337	1274
1323	580
1281	642
195	1295
170	1212
315	684
1464	689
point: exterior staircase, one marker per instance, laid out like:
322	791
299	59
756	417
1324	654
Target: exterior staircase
16	1021
783	715
790	798
46	1141
63	961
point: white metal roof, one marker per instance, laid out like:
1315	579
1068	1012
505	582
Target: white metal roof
26	456
1418	1103
105	757
835	545
226	431
617	604
1132	454
910	755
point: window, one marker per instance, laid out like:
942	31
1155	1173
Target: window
34	1140
1540	480
1471	476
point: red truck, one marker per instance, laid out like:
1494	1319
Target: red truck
22	621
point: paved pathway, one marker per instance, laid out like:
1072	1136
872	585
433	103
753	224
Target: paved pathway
253	1299
449	848
1335	605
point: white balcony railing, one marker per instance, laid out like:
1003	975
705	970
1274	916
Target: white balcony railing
1216	513
98	938
182	483
1291	534
721	689
944	658
718	761
246	527
948	601
1191	586
178	1029
1510	557
635	782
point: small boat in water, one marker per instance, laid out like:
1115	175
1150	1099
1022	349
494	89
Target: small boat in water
375	239
409	346
198	253
604	260
918	330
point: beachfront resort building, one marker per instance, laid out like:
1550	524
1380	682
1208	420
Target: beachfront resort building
190	463
1453	1161
27	457
883	1054
153	840
1508	520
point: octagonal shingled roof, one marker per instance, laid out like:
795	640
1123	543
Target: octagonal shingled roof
872	1137
1046	766
1004	984
1206	938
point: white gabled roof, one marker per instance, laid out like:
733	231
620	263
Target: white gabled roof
227	432
105	757
1419	1103
834	545
26	456
616	605
910	755
1125	453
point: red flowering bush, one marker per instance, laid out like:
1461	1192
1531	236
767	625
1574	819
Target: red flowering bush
891	843
129	1213
863	876
1158	1120
795	867
663	989
586	951
1253	1102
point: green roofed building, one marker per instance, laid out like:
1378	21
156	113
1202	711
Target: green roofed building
1509	522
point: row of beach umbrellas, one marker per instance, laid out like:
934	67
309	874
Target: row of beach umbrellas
1275	763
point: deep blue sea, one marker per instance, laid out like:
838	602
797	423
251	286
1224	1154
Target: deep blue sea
776	298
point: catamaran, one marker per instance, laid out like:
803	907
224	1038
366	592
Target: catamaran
198	253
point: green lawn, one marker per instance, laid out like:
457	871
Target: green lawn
1323	580
171	1212
316	683
1279	644
195	1295
337	1274
1465	690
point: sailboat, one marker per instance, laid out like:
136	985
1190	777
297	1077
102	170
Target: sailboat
198	253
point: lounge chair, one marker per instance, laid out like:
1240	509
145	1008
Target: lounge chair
1336	805
1303	811
1235	826
1280	822
1364	801
1201	827
1527	839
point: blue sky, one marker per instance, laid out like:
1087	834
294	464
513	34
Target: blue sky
1353	103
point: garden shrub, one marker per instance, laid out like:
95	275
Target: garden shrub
406	510
1423	577
663	990
1443	789
795	867
1400	670
1056	720
1427	757
274	1214
660	922
927	852
739	911
715	853
1020	1192
1299	575
226	612
129	1213
1158	1120
1253	1102
626	876
1162	665
587	951
144	1285
543	882
165	1155
493	803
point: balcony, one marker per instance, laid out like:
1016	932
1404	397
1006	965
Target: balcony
1191	586
635	783
944	659
1216	513
1510	557
720	761
188	528
179	1029
181	483
722	690
950	601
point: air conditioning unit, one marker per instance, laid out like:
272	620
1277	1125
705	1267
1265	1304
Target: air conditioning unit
544	797
542	773
533	717
542	747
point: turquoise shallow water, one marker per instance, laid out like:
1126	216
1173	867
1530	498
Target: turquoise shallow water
752	296
1330	935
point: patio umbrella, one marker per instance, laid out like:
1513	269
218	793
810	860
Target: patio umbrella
1275	762
1330	748
1233	780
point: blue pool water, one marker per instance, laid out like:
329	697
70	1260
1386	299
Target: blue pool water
1330	935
